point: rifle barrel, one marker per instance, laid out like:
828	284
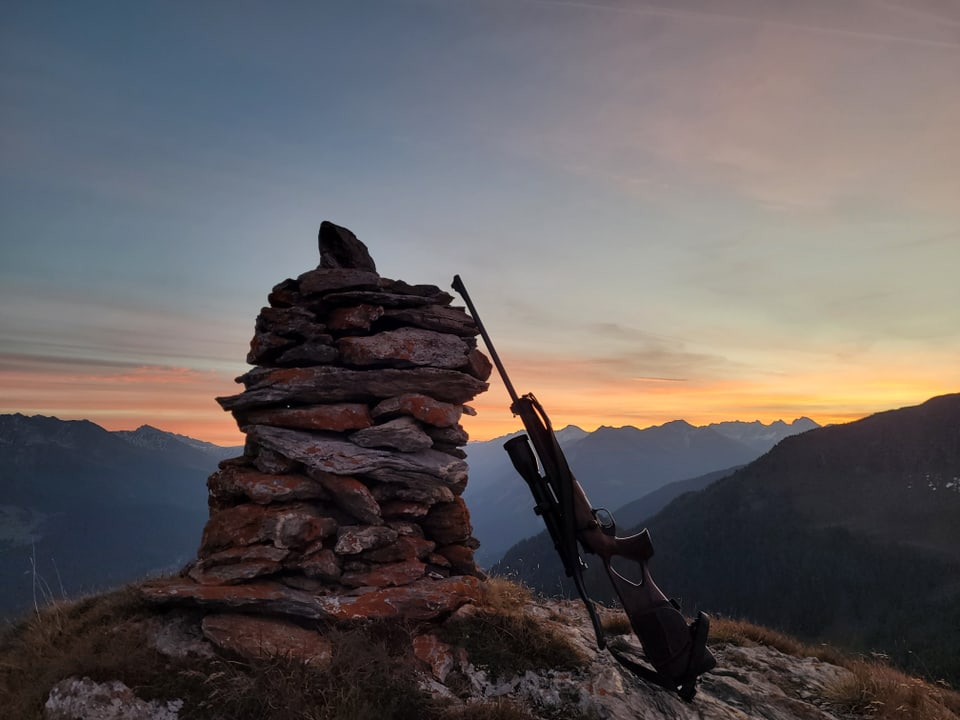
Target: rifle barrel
460	288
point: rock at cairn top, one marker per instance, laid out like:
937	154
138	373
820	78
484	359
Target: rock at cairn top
340	248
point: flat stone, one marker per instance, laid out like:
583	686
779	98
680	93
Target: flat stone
238	564
263	596
340	457
422	407
294	322
460	558
479	365
355	317
264	347
324	280
355	539
263	488
404	510
454	435
325	384
425	495
338	417
433	317
323	565
406	347
435	654
309	352
423	599
399	287
284	526
269	461
285	294
351	495
238	572
448	523
376	297
384	575
254	637
403	434
404	548
405	528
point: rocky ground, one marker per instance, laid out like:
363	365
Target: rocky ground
750	681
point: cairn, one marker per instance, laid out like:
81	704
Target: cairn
346	502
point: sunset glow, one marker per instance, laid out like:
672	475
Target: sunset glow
696	210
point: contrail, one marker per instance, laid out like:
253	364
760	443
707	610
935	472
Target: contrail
705	16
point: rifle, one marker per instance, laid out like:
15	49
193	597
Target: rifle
677	651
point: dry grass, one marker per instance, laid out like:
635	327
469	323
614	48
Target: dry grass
107	638
371	677
741	632
874	690
372	674
97	637
616	624
505	645
882	692
505	597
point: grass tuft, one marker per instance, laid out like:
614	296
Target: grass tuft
879	691
617	624
741	632
508	645
505	597
875	690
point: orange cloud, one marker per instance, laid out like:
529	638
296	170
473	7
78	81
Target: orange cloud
177	400
835	394
588	392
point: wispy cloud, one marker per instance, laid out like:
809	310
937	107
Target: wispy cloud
778	16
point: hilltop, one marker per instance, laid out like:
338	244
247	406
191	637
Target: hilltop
511	656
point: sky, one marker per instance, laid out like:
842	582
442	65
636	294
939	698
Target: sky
700	209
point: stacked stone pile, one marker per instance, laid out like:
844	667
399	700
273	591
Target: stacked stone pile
347	499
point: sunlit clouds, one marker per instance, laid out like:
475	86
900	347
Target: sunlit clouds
720	210
174	399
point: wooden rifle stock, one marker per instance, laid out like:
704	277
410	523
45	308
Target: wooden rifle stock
677	651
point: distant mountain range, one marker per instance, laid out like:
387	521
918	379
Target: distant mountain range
82	508
615	466
847	534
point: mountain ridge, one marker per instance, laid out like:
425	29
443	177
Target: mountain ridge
82	507
616	465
